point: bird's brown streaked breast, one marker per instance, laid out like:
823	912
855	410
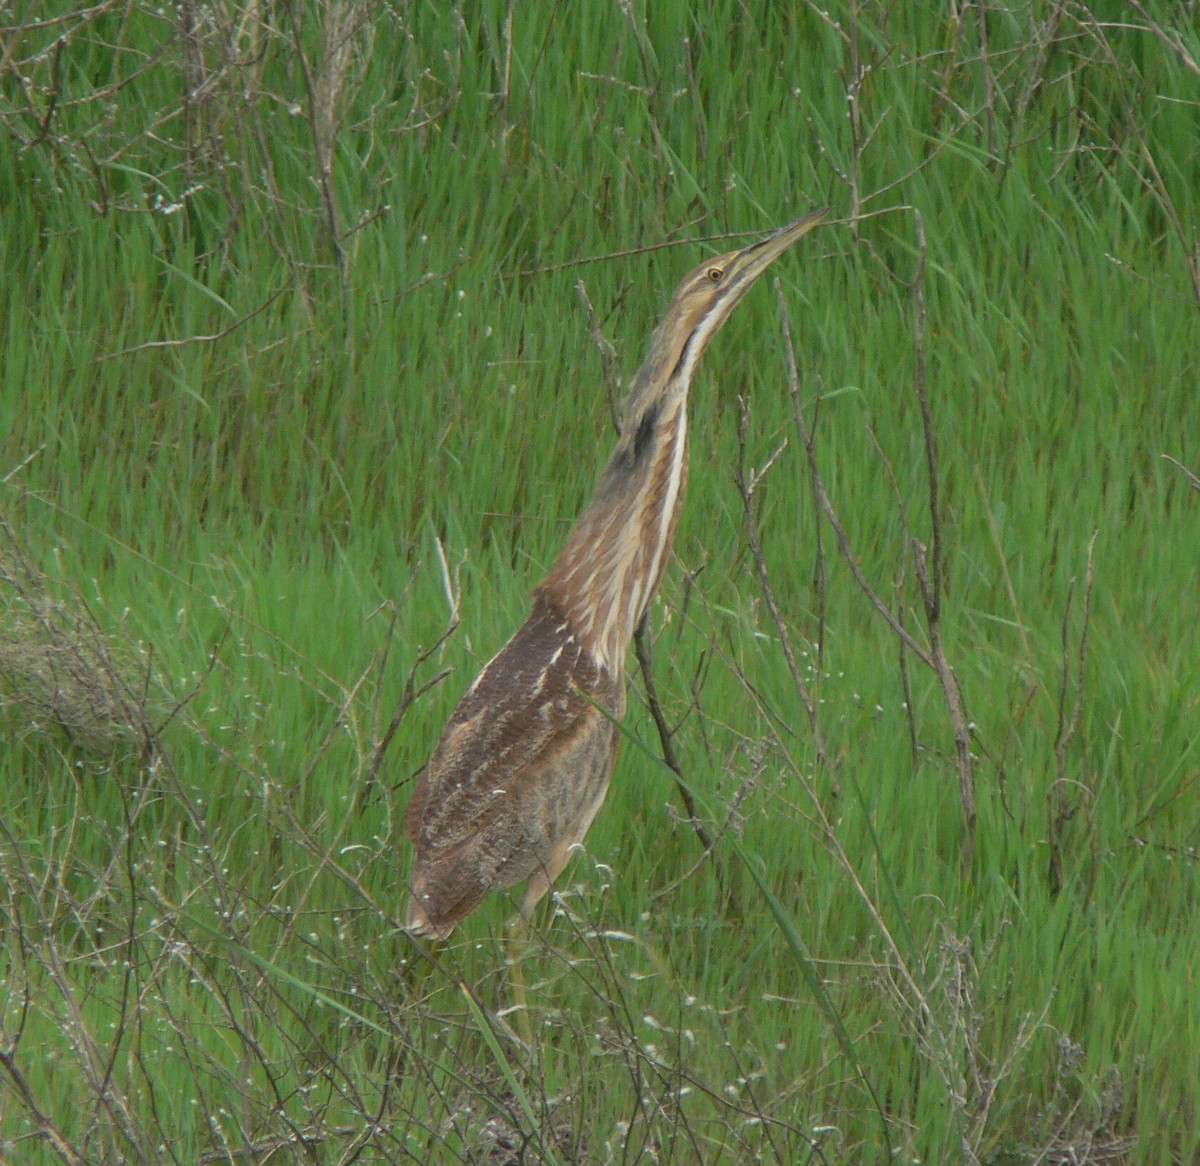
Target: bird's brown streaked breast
525	758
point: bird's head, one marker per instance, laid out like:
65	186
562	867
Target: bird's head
705	299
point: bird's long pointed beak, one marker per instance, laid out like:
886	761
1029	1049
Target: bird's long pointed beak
756	258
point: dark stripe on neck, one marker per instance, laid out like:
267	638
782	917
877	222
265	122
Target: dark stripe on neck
683	355
644	438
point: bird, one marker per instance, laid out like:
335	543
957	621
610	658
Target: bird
523	764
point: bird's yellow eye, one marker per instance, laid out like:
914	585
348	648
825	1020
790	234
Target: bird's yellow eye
715	274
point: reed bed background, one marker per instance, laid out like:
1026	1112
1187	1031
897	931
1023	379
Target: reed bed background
314	316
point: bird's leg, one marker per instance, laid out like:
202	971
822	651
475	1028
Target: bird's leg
519	934
517	948
423	958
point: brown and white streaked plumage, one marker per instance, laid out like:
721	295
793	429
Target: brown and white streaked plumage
524	763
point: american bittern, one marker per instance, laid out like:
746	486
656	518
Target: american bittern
524	763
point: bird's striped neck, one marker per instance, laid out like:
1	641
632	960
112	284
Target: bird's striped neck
614	559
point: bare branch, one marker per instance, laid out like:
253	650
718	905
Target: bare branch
1193	478
1171	39
608	358
839	530
184	341
747	483
1059	810
644	646
929	575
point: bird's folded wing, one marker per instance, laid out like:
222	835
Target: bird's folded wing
523	713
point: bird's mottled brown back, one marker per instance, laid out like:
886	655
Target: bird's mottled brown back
522	766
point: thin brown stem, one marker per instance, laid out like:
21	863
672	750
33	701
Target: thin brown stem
608	357
831	515
1193	478
747	483
1060	812
45	1128
643	643
929	566
910	715
989	83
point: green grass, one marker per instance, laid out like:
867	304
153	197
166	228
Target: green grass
236	474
